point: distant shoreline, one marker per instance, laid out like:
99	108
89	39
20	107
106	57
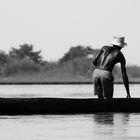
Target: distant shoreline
57	83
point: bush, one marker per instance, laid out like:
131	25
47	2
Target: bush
133	71
82	66
17	66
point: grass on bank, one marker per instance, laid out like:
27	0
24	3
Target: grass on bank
44	78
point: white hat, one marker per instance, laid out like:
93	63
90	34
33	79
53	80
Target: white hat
119	41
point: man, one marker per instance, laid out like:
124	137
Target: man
105	61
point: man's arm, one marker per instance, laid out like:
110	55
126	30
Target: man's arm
124	76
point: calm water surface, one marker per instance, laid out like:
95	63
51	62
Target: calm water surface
73	91
95	126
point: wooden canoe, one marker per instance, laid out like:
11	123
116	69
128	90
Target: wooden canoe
28	106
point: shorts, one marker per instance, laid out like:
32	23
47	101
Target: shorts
103	83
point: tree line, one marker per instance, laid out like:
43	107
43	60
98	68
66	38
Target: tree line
77	62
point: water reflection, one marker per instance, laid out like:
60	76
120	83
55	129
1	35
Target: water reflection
104	118
98	126
111	118
111	124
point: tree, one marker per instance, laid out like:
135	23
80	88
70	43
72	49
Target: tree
24	51
78	52
92	51
3	58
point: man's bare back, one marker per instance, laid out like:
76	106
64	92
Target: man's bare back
108	57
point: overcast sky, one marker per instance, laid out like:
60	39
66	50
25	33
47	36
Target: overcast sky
53	26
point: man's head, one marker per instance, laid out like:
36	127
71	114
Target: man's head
119	41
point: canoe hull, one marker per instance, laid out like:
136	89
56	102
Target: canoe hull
21	106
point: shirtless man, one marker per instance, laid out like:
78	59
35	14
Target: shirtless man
104	62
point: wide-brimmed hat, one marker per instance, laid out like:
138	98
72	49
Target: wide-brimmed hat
119	41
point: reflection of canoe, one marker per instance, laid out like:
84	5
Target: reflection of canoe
17	106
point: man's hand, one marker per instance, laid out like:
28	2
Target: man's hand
128	96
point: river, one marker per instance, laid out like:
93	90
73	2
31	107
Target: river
96	126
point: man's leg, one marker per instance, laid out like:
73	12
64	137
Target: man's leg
107	85
100	97
98	88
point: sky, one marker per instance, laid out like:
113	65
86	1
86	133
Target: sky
53	26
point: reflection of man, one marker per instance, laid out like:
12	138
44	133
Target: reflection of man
104	61
109	123
104	118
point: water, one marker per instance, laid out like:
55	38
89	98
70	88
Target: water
95	126
73	91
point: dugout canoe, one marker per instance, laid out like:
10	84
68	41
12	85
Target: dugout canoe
30	106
